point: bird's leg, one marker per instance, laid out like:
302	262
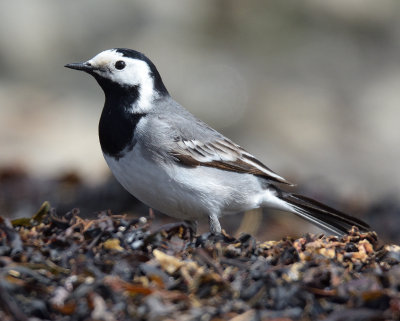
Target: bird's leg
192	225
215	226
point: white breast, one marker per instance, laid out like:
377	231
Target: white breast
184	192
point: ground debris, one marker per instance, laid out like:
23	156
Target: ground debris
116	268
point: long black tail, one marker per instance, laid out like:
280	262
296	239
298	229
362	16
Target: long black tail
322	215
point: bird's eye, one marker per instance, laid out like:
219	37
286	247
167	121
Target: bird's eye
120	64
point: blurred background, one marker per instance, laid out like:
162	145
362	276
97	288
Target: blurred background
312	88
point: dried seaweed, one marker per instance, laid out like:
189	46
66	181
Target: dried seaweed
116	268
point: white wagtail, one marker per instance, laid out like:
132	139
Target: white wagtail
179	165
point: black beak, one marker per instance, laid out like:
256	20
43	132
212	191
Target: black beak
84	66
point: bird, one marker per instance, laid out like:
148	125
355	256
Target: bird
177	164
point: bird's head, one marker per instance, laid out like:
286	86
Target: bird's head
125	72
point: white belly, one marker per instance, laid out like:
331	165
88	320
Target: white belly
185	192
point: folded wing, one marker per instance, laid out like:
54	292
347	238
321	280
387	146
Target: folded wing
222	154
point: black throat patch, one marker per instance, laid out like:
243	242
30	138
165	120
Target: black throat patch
117	125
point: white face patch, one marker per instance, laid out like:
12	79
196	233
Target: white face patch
136	73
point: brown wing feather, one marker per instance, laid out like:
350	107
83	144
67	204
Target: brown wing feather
224	155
